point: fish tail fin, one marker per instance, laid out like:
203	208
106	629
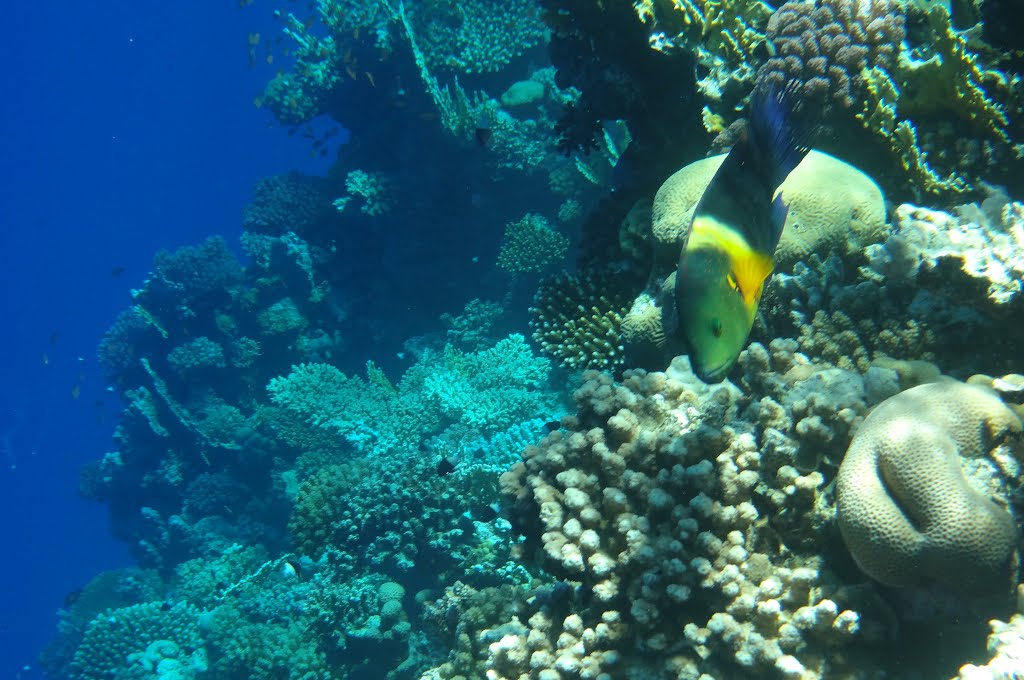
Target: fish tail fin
779	131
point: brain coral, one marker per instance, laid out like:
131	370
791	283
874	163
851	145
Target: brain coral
904	507
831	203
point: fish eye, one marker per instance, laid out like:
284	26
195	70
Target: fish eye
716	327
732	281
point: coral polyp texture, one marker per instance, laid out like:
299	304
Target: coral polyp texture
660	502
905	508
531	244
577	320
827	46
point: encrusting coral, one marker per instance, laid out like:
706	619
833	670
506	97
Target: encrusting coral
906	511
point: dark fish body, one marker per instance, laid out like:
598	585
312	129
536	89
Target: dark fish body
727	257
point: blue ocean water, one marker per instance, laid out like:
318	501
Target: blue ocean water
130	128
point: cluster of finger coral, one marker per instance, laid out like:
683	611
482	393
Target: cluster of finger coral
827	46
688	528
427	522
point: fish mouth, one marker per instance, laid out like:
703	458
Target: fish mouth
713	374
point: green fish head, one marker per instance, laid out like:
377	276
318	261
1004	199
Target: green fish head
713	318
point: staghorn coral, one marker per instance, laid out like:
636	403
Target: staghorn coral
827	45
531	245
577	320
906	511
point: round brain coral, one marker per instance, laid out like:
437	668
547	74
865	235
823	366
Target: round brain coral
831	204
906	512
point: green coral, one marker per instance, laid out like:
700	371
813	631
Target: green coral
531	245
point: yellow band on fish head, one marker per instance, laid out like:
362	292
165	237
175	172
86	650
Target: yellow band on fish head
749	267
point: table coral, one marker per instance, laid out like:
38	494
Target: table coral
905	509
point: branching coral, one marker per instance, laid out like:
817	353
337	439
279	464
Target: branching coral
652	501
531	245
722	35
476	36
577	320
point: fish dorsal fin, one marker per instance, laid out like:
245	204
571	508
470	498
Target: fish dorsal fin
749	266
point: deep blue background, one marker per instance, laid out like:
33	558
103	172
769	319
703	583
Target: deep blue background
127	127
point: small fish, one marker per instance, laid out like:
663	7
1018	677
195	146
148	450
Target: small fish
488	513
291	569
46	359
483	136
117	271
54	337
553	425
76	392
72	597
446	465
728	254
